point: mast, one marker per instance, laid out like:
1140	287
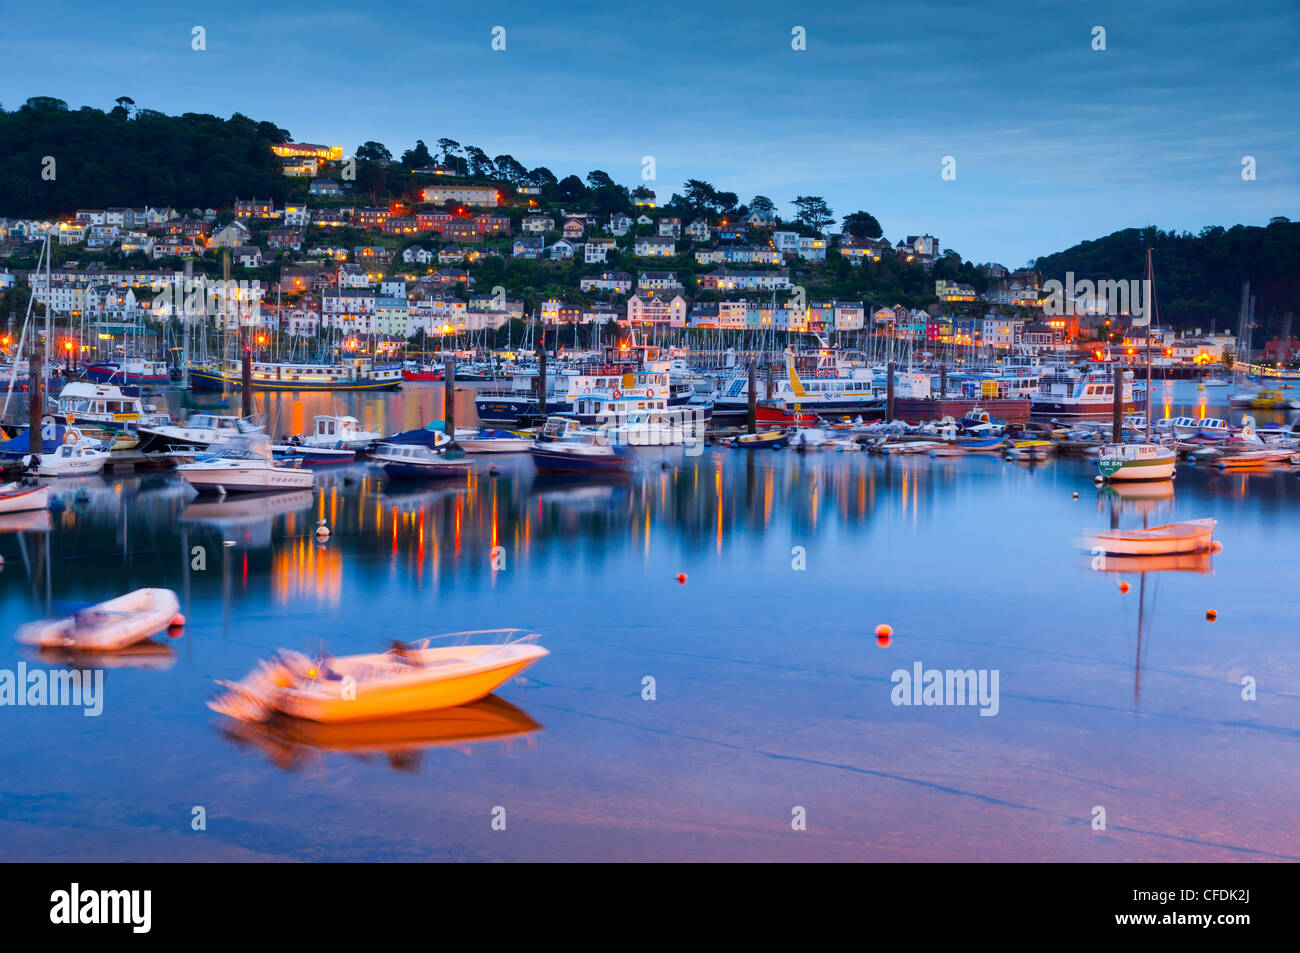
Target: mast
1150	310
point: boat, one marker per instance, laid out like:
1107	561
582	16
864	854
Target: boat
1215	428
416	372
406	680
312	456
1029	449
833	387
199	432
245	465
130	370
978	422
1214	382
1068	392
772	413
1182	427
409	461
1190	536
487	440
343	433
17	497
1253	458
757	441
352	374
108	626
78	456
564	446
808	439
1265	399
1137	461
117	409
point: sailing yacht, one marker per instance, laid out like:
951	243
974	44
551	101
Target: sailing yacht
1146	460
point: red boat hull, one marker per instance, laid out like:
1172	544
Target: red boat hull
421	375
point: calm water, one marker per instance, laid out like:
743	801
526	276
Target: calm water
771	690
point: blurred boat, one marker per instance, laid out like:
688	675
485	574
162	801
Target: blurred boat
110	625
487	440
408	461
564	446
288	742
757	441
16	497
402	681
343	433
244	466
1190	536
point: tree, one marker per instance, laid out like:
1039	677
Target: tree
763	205
418	157
541	176
701	196
571	188
598	179
862	225
374	152
448	148
726	202
480	166
812	212
509	169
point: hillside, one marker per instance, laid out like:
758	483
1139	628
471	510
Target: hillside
1198	277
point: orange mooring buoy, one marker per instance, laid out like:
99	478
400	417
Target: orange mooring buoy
681	578
1123	588
1210	615
884	634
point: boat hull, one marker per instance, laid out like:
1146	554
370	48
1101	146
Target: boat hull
549	460
19	500
1193	536
212	381
108	374
245	479
423	471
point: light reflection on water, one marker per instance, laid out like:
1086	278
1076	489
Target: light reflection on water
771	690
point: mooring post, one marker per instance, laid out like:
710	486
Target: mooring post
752	418
889	392
35	403
1117	417
449	399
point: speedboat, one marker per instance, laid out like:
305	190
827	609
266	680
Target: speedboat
110	625
564	446
1191	536
1266	399
16	497
1215	428
406	680
245	466
79	456
487	440
409	461
1137	461
756	441
1185	427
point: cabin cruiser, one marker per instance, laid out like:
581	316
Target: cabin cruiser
112	407
130	370
245	465
78	456
564	446
409	461
200	432
343	433
487	440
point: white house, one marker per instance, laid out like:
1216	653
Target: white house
561	250
655	247
597	249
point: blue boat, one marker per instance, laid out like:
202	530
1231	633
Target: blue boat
409	461
565	447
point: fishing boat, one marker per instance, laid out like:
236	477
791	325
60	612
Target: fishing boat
78	456
343	432
199	432
565	446
17	497
978	422
1190	536
757	441
110	625
130	370
487	440
773	413
245	465
409	461
406	680
416	372
352	374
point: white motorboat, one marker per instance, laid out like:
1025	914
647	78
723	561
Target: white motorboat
16	497
200	432
110	625
487	440
78	456
245	466
564	446
344	433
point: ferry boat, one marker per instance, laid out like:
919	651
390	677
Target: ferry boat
566	447
1067	392
832	387
352	374
131	370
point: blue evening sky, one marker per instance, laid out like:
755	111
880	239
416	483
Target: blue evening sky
1054	143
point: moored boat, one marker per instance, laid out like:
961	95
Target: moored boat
1189	536
564	446
245	466
108	626
1137	461
409	461
16	497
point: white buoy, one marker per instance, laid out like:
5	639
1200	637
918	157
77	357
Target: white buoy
322	530
227	542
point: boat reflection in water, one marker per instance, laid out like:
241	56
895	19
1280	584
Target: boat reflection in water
290	743
148	655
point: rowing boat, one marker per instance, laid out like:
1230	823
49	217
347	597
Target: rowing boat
1190	536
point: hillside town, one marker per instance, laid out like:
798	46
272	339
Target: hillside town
465	256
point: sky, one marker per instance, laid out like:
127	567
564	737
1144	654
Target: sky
1053	142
